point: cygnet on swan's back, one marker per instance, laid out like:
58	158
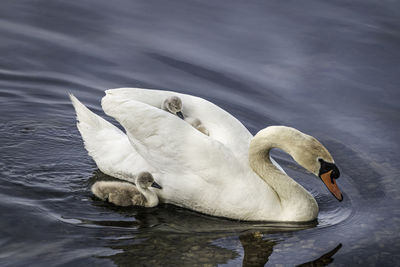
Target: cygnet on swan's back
174	105
126	194
196	123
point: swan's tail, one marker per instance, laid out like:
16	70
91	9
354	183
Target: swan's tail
106	144
91	126
87	120
99	136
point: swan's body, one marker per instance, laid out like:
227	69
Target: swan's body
173	104
209	174
126	194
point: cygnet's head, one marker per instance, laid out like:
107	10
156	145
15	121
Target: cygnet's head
173	104
145	180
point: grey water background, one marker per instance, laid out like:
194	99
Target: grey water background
330	69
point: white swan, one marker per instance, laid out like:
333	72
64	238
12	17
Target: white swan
126	194
228	173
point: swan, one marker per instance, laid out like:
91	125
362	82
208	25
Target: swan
173	104
126	194
228	174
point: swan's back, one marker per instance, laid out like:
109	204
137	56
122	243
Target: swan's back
221	126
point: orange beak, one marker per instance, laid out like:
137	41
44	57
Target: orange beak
331	185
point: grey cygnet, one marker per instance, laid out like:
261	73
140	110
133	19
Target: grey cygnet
174	105
126	194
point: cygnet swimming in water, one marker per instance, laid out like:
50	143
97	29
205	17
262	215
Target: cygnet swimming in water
126	194
174	105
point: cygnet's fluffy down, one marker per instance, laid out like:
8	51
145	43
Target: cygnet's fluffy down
126	194
196	123
174	105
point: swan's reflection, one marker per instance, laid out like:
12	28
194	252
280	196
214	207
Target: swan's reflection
177	236
256	249
172	249
324	260
199	250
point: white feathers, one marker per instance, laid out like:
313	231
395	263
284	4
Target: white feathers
107	145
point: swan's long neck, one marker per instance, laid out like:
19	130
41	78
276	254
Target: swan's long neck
294	199
151	197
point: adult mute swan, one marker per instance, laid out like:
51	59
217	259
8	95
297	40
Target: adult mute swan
126	194
227	174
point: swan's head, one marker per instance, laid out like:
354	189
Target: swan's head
305	150
173	104
145	180
313	156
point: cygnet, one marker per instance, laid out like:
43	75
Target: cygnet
126	194
174	105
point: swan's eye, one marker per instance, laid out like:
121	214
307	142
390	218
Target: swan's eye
324	166
327	166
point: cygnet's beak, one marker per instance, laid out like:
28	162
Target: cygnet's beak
180	115
154	184
330	183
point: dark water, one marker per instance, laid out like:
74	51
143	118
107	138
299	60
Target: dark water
328	69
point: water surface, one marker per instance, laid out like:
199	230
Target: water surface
328	69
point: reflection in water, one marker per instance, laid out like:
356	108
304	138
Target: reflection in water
158	250
256	249
324	259
198	250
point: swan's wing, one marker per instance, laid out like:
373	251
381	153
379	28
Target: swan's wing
107	145
221	125
171	145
